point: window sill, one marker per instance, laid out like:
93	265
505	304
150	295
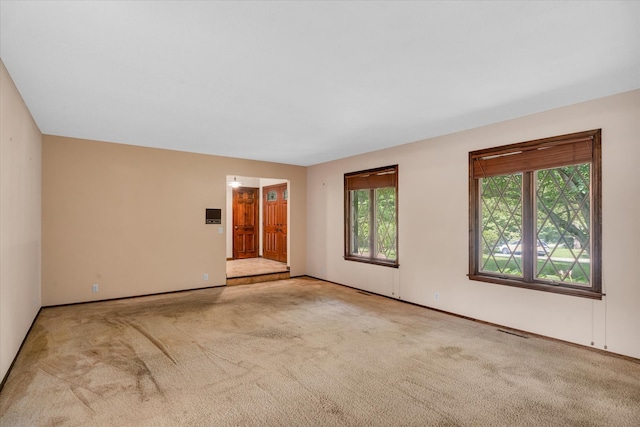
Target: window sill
557	289
392	264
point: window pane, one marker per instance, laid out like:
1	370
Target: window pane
563	224
360	225
501	222
385	216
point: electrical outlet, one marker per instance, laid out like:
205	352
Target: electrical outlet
205	276
94	288
437	296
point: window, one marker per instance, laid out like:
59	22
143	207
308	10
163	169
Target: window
371	216
535	214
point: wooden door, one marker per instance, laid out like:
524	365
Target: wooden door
246	225
274	242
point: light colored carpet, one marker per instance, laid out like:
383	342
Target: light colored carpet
302	352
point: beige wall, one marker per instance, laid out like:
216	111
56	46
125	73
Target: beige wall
131	219
433	228
20	237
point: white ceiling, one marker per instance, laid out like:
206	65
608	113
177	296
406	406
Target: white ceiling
307	82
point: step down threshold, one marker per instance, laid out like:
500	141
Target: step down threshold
259	278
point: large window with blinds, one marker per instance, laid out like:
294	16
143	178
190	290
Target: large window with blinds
371	216
535	214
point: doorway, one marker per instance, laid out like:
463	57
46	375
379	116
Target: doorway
265	253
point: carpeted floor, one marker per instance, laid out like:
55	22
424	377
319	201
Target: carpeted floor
302	352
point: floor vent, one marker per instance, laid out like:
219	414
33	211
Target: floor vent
513	333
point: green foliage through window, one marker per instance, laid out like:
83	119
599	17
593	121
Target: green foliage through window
501	223
533	210
371	216
562	228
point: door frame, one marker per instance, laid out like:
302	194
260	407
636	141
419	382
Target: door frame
264	190
256	221
250	181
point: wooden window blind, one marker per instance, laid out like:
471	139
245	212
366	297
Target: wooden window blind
375	178
534	155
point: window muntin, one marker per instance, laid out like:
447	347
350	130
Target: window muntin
371	209
535	214
360	222
563	221
501	232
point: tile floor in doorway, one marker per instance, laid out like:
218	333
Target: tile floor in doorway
254	267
